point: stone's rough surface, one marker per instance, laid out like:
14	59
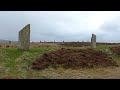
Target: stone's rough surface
93	41
24	38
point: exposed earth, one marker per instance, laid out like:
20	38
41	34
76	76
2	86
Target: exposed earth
71	58
115	50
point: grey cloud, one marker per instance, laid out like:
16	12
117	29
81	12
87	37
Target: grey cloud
112	25
55	26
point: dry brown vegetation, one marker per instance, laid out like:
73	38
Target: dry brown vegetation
115	50
56	44
83	73
18	64
8	46
38	45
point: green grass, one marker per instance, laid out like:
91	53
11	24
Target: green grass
14	61
102	47
113	55
17	64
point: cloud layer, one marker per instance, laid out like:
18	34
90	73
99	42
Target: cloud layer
62	25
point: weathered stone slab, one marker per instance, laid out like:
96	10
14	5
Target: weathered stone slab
93	41
24	38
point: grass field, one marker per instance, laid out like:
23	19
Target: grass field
16	64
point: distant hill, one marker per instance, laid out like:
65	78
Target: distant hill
7	41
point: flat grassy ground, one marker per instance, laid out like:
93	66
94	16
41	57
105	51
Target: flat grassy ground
16	64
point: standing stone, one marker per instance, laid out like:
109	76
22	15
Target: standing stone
9	42
24	38
93	41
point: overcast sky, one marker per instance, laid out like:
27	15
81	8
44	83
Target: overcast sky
62	25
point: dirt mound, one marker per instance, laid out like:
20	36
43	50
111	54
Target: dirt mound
115	49
70	58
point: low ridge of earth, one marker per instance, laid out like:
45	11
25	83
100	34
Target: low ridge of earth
80	44
71	58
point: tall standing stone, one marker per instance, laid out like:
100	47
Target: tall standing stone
93	41
24	38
